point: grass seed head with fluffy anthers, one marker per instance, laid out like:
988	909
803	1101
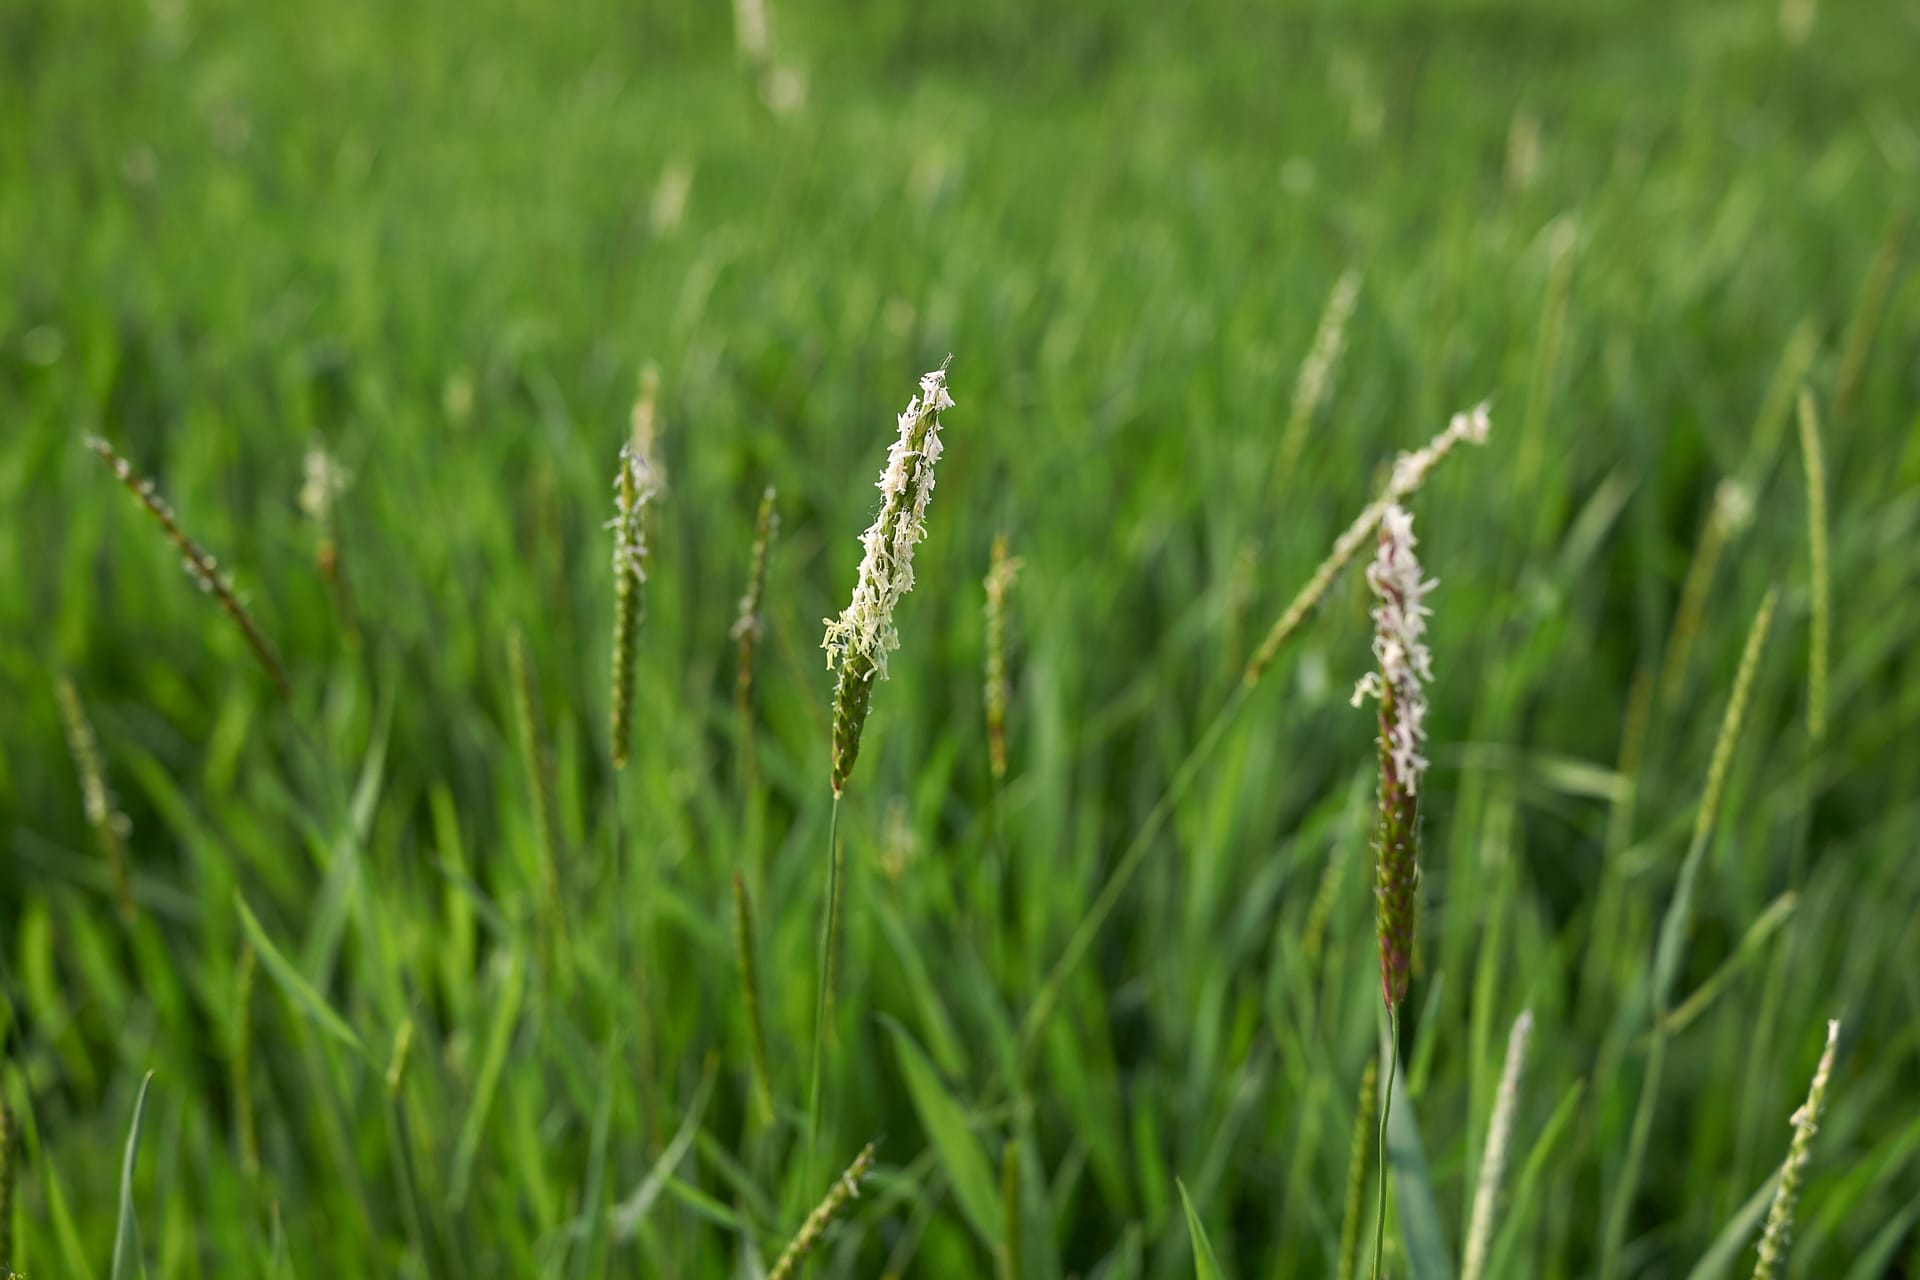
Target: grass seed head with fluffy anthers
1399	685
199	565
110	826
859	640
322	481
634	487
845	1192
1777	1238
1000	576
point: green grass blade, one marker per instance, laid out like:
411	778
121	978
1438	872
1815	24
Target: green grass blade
961	1155
296	987
127	1262
1876	1260
1735	1236
487	1081
1205	1265
630	1213
1428	1257
1526	1188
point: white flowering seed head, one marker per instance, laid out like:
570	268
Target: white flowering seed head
859	641
633	489
1493	1162
1399	645
635	485
865	629
323	480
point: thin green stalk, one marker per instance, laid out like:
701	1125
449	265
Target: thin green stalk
1386	1108
823	997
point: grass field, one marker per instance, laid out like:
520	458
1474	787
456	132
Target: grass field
427	987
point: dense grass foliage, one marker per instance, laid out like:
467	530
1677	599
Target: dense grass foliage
441	240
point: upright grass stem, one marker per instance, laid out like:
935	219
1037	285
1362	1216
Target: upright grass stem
1666	959
1380	1159
823	996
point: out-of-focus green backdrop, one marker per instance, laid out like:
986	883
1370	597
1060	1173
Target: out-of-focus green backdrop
440	241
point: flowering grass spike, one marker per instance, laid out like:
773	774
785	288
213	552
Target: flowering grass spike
1778	1235
633	488
860	639
1399	685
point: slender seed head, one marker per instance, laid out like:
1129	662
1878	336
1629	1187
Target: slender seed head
748	627
844	1193
1493	1163
110	826
860	639
201	567
743	941
1357	1169
1777	1238
1000	576
1813	459
1316	371
634	488
1399	685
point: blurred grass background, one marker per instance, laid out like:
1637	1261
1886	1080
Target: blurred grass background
440	241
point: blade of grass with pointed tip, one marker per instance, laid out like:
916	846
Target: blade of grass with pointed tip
961	1156
487	1081
290	980
1205	1265
588	1260
630	1213
1734	1237
127	1262
1763	928
1876	1260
